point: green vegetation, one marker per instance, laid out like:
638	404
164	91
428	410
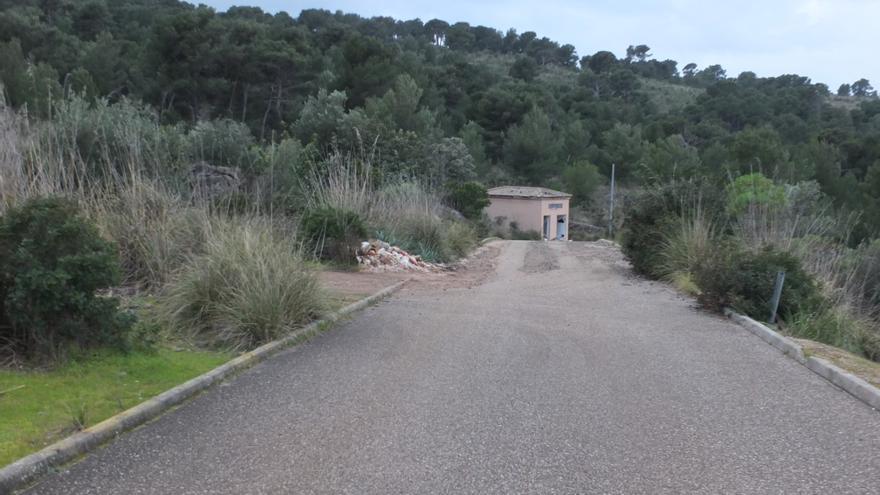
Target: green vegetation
221	153
335	233
52	262
247	288
43	406
726	247
469	198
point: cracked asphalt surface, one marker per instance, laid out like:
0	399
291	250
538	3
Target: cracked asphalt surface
562	373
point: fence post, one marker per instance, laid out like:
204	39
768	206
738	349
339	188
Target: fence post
611	207
777	294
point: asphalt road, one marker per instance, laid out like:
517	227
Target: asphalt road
562	373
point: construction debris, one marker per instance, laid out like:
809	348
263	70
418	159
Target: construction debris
379	256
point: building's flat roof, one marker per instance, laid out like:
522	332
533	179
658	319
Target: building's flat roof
526	192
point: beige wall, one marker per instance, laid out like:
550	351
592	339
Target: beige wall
529	213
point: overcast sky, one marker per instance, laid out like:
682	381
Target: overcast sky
830	41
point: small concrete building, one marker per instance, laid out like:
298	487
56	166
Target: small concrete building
531	208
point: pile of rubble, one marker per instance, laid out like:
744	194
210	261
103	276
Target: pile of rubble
380	256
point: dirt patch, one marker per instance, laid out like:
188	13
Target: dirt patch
346	287
861	367
539	258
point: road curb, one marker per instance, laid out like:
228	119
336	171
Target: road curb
788	347
28	469
853	385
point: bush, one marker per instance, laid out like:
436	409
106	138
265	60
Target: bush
249	287
460	238
469	198
581	180
686	241
833	325
523	235
655	213
753	190
335	233
223	142
644	231
731	276
52	261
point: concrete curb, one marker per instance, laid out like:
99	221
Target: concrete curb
788	347
28	469
853	385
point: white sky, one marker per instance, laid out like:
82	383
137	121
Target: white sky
830	41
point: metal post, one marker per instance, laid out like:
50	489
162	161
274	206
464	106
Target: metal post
611	207
777	294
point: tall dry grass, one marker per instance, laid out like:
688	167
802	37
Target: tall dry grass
224	280
403	212
249	286
818	235
686	241
106	164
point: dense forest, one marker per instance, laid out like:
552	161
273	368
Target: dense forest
392	129
445	101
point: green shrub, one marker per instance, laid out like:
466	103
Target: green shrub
249	287
52	261
655	213
686	241
581	180
460	238
731	276
223	142
833	326
869	342
523	235
753	190
335	233
469	198
643	233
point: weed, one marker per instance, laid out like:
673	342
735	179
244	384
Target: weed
249	287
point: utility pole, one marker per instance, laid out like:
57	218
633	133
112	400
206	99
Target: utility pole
611	207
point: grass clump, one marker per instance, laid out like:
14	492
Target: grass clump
835	326
248	287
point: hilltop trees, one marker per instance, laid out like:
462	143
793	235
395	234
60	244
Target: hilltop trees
445	102
863	87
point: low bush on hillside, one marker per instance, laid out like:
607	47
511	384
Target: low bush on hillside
727	253
735	277
676	216
250	286
469	198
334	233
52	262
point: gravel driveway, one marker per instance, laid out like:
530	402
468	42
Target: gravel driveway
561	373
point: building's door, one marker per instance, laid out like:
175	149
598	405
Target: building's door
546	227
561	231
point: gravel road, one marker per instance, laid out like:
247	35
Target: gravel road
561	373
